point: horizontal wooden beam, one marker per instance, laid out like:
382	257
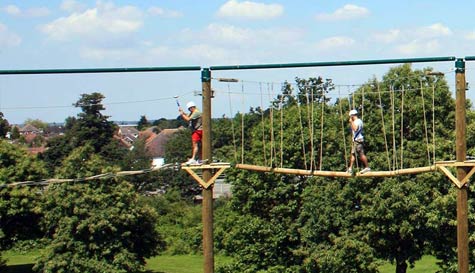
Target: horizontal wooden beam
335	174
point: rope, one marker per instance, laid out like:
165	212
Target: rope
321	133
433	123
271	127
402	127
89	178
384	127
310	128
393	129
242	125
343	128
425	122
281	130
301	136
232	123
263	126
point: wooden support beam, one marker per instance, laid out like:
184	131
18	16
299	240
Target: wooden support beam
469	165
191	169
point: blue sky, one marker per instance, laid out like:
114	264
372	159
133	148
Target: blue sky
91	34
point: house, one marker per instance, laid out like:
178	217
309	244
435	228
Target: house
128	133
156	143
30	129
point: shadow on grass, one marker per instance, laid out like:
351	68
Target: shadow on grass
20	268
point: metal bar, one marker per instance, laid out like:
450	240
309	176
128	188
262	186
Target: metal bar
99	70
337	63
469	58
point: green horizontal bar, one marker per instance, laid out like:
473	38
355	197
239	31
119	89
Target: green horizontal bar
469	58
99	70
341	63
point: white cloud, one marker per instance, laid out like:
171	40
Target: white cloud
336	42
250	10
432	31
417	47
12	10
101	22
7	38
37	12
232	36
72	6
415	41
390	36
347	12
470	36
166	13
31	12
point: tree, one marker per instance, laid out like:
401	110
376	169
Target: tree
4	126
41	125
19	218
90	127
354	222
97	226
143	123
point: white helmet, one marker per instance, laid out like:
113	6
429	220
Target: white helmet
190	104
353	113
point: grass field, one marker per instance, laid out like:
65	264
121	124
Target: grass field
22	263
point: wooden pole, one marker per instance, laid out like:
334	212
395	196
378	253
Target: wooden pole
207	205
461	153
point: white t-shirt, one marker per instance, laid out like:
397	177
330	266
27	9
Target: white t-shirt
358	133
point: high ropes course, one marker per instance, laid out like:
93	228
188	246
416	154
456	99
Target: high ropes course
273	137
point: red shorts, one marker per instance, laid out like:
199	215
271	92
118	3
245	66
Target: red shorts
197	135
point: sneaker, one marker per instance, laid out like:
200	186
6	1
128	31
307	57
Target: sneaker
191	161
365	170
349	171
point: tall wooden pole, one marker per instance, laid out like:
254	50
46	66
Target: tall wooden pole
461	153
207	205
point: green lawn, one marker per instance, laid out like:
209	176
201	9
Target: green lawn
22	263
426	265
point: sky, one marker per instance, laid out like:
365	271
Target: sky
72	34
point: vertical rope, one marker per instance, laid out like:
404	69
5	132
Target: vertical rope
232	123
310	126
393	125
242	124
433	123
321	132
402	126
384	127
301	135
271	126
263	126
362	102
343	126
425	122
312	107
281	131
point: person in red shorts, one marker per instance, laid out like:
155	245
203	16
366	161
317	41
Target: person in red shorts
196	124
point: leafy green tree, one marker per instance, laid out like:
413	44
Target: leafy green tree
98	225
19	218
4	126
15	132
90	127
143	123
41	125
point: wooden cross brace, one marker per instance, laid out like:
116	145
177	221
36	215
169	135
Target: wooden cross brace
469	165
220	167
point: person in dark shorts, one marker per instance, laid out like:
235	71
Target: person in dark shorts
356	125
